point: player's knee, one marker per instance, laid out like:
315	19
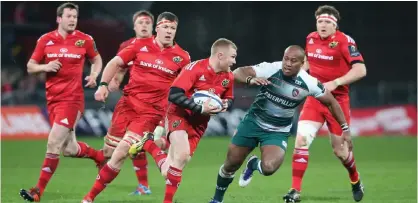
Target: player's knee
230	167
300	141
121	152
108	151
305	135
182	157
269	167
70	150
54	146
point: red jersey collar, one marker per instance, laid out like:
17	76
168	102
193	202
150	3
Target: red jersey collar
331	37
57	34
210	68
170	47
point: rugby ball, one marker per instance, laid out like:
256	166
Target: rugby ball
201	96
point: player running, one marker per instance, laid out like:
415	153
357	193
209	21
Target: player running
334	59
269	120
186	120
143	22
156	63
63	52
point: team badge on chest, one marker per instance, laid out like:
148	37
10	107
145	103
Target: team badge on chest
225	82
80	43
333	44
295	92
177	59
176	123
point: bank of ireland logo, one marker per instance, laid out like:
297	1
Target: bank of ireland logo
63	50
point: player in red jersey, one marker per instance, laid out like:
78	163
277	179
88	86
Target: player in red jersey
156	63
186	120
334	59
63	52
142	21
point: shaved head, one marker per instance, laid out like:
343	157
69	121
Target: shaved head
297	51
293	60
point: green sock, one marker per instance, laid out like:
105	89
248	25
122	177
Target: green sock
254	165
222	184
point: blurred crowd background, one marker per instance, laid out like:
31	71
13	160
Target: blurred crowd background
385	32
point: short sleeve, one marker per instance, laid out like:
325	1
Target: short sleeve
128	54
38	53
266	69
91	49
316	88
350	51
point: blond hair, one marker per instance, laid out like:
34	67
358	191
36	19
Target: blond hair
222	42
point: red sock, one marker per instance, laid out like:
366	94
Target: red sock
156	153
48	168
299	165
106	175
172	183
141	168
84	150
350	165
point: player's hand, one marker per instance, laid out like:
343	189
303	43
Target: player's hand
207	109
53	66
224	105
259	81
101	94
347	138
91	81
113	85
331	86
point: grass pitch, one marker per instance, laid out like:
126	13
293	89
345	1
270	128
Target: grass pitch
388	167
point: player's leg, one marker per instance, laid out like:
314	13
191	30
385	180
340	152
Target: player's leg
310	121
112	168
121	117
273	147
140	163
341	151
61	127
235	157
241	145
139	123
167	162
78	149
181	154
160	137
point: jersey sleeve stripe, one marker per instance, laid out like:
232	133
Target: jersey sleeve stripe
190	66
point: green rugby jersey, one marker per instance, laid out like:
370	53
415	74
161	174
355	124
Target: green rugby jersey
275	104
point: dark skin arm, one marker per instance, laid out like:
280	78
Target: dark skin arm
335	108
